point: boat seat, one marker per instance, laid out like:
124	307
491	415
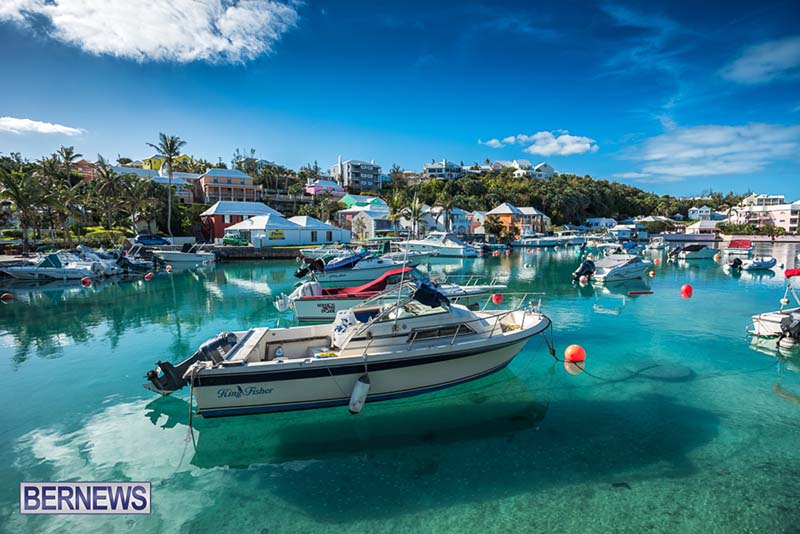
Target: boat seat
240	352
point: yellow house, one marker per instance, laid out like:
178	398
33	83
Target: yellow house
155	162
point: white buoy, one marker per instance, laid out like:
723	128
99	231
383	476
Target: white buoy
359	395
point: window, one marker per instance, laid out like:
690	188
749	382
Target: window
226	219
313	236
329	235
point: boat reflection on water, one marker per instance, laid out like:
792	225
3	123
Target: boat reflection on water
787	359
611	297
497	406
32	291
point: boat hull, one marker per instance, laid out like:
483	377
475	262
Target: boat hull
184	257
707	254
46	273
624	273
769	324
441	252
320	386
355	276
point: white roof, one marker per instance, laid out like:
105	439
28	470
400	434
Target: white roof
530	210
310	222
504	209
231	207
262	222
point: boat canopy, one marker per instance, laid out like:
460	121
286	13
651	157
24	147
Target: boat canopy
429	295
346	262
379	284
51	260
693	248
740	243
789	273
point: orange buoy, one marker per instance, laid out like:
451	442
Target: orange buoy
574	354
497	298
168	268
574	368
148	276
86	281
6	297
686	291
656	261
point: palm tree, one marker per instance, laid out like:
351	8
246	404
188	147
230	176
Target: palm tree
169	146
295	190
108	188
396	204
68	156
447	203
138	196
414	214
26	193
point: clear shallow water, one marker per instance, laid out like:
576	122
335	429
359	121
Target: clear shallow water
687	428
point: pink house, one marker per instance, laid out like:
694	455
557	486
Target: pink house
318	187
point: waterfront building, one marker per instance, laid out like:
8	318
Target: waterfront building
224	214
315	231
600	223
443	170
226	184
355	175
367	224
767	210
155	161
703	213
703	227
320	187
533	220
182	182
508	215
359	200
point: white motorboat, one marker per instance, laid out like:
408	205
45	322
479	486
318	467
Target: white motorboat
442	244
336	251
55	266
570	237
620	266
739	247
358	268
534	240
190	254
755	264
417	344
785	321
656	243
695	251
312	302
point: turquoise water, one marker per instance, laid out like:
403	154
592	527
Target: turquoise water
683	426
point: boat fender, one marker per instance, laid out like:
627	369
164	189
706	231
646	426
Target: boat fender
359	395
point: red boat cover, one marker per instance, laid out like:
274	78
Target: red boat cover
376	286
740	243
791	272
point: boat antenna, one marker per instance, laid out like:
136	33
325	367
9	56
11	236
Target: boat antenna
403	272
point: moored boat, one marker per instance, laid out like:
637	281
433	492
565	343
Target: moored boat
739	247
620	266
755	264
190	254
443	244
693	252
785	320
416	344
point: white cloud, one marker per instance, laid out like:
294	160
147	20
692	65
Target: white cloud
766	62
493	143
631	175
555	143
145	30
714	150
17	126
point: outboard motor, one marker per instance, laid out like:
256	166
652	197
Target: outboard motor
790	330
674	252
586	268
311	264
735	263
171	377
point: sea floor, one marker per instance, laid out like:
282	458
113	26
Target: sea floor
679	424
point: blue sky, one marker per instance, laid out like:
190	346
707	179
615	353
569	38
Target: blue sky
672	97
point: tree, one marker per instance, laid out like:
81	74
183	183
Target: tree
396	204
414	214
359	227
295	190
123	161
140	196
169	146
22	188
107	190
68	157
493	226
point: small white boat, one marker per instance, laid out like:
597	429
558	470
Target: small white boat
534	240
656	243
312	302
620	266
443	244
739	247
55	266
756	264
416	344
190	254
694	252
336	251
359	268
570	237
785	321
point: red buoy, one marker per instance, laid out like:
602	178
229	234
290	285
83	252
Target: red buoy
148	276
508	251
652	274
497	298
168	268
656	261
574	354
86	281
686	291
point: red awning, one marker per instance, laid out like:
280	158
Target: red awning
740	243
